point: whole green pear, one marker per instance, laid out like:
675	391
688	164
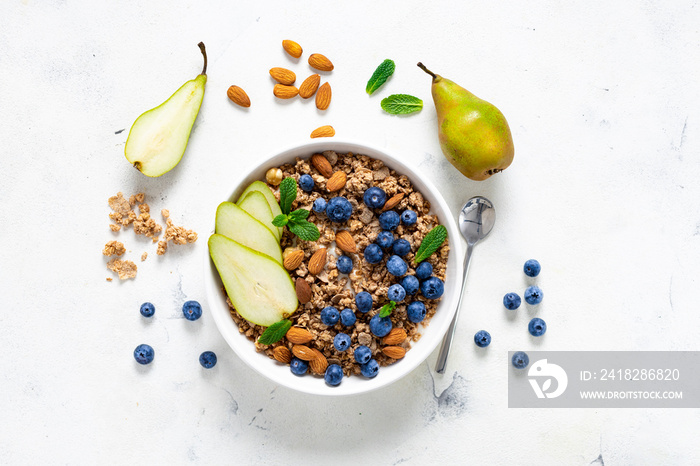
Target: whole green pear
474	134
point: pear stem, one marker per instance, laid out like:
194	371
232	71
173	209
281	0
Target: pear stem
422	67
204	52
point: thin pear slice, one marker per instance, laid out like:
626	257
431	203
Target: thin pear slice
256	205
158	138
260	289
238	225
265	190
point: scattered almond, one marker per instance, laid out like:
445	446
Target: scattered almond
282	354
303	291
319	363
320	62
293	259
304	352
322	164
283	76
394	352
292	48
299	336
309	86
337	181
345	241
392	202
323	132
323	96
395	337
238	96
285	92
317	261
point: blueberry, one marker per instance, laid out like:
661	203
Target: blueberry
192	310
432	288
207	359
520	360
319	205
374	198
537	327
347	317
143	354
511	301
306	183
396	293
409	217
396	266
373	254
533	295
532	268
482	338
338	209
330	316
341	341
389	220
401	247
344	264
148	309
364	302
385	239
380	326
410	284
416	311
298	366
424	270
333	375
370	369
363	354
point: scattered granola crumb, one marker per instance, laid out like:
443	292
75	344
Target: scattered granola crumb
144	256
115	227
165	213
125	269
109	279
176	234
114	248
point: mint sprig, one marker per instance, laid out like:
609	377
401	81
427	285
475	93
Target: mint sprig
431	243
296	220
380	75
305	230
401	104
275	332
288	192
386	309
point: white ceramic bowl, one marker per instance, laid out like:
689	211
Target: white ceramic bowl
432	335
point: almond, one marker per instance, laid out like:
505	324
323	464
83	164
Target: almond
317	261
309	86
323	132
304	352
320	62
299	336
392	202
344	240
322	164
319	363
285	92
394	352
303	290
293	259
282	354
283	76
395	337
292	48
323	96
238	96
336	182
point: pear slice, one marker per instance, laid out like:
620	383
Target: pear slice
158	138
238	225
260	289
271	200
256	205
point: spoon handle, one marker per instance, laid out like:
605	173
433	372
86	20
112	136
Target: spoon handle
441	363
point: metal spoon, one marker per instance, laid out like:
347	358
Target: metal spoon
475	222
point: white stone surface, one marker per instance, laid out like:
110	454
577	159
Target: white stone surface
603	100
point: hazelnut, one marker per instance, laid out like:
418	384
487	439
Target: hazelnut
274	176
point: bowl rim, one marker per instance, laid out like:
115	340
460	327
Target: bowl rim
420	350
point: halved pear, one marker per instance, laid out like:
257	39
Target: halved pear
272	202
158	138
256	205
260	289
238	225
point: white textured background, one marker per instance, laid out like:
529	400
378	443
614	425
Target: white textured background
603	100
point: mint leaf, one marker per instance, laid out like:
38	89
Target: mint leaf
380	75
288	192
305	230
431	243
281	220
401	104
386	309
298	215
275	332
